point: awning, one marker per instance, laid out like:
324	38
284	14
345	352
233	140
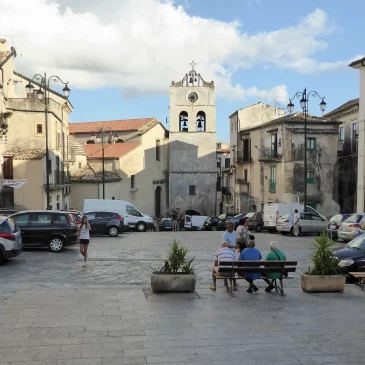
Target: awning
13	183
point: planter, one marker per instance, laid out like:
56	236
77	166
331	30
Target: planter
323	284
173	283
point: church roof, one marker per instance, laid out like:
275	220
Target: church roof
94	173
343	107
122	125
111	151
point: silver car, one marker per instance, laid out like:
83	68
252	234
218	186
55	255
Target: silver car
11	244
308	223
350	226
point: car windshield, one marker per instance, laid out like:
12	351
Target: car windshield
358	242
250	215
355	218
238	216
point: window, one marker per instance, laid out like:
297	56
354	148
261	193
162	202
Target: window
245	175
60	219
21	220
8	171
41	219
314	217
219	183
191	189
273	179
90	216
133	181
183	122
58	206
246	149
119	141
49	166
311	144
342	134
90	142
311	177
311	207
39	128
104	215
354	137
219	164
200	122
158	150
80	165
131	210
274	145
227	163
58	198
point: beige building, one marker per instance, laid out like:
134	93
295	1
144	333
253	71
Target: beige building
269	164
192	147
348	115
360	196
23	145
135	163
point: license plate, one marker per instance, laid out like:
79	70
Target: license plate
332	226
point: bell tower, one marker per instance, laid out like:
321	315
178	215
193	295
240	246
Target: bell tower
192	150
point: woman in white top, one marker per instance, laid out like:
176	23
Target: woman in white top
243	234
83	236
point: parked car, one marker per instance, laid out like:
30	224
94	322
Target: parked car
334	224
165	224
105	223
256	222
221	223
210	224
77	215
349	226
46	228
308	223
194	222
6	212
352	256
10	239
236	219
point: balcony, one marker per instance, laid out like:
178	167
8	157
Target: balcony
57	179
71	156
226	191
269	155
242	187
243	157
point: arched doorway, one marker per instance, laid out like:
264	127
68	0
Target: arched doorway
192	212
158	201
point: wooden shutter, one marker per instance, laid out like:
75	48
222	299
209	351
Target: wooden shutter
8	170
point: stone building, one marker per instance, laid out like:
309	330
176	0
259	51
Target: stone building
348	115
223	161
192	146
269	166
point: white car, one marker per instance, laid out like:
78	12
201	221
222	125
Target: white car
11	244
308	223
349	227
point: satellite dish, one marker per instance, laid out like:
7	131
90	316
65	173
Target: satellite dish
13	50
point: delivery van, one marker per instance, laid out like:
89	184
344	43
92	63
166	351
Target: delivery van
273	211
133	218
194	222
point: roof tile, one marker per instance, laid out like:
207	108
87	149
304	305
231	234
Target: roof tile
94	173
115	150
25	154
343	107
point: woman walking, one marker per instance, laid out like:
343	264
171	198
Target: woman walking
83	236
243	234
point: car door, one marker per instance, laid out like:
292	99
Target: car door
91	219
319	224
303	223
22	222
133	216
40	228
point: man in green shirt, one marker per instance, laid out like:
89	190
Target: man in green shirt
274	255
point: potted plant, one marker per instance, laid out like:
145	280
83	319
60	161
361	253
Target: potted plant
325	275
177	273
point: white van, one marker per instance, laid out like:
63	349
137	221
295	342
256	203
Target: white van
194	222
273	211
133	218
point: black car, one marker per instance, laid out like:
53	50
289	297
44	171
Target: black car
48	228
210	224
236	219
105	223
334	224
352	256
221	223
165	224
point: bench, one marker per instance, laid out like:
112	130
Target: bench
237	269
360	276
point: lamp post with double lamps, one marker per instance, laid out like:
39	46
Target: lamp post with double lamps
304	99
99	136
44	83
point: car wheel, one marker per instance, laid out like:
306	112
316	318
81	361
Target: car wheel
141	227
214	228
56	244
258	228
113	231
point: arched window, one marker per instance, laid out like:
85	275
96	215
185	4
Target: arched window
200	122
183	120
90	142
158	150
119	141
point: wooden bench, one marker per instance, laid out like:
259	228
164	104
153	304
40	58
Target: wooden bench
236	270
360	276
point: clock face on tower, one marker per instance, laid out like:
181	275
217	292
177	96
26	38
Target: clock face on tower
193	97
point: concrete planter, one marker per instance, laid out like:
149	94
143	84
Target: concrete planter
323	284
173	283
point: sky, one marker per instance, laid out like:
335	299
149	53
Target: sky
120	57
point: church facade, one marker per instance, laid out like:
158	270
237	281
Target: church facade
192	145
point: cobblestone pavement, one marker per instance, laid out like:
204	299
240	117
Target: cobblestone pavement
55	312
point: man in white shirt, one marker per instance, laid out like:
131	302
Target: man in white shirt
296	223
229	236
224	254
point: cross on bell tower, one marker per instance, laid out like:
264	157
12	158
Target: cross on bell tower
192	65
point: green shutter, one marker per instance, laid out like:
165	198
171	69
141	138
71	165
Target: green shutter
311	144
273	179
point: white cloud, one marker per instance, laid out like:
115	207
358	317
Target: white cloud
141	45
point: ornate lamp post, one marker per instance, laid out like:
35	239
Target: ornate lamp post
99	136
304	99
44	95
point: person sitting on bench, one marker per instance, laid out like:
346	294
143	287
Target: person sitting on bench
251	254
274	255
223	254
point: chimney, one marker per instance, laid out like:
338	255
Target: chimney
3	45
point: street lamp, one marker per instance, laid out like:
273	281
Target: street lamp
42	95
304	98
98	136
